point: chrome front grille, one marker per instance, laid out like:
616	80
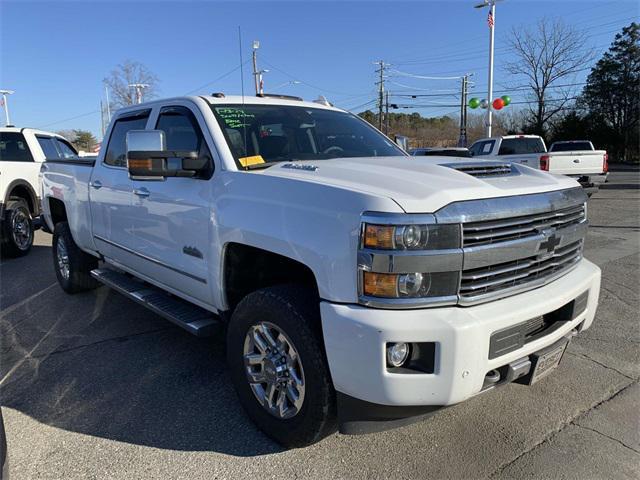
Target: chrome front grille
494	231
501	279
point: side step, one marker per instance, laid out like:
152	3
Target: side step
196	320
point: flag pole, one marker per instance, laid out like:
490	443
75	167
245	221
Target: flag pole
491	20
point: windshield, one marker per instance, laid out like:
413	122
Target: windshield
259	134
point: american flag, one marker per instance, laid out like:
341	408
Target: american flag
490	19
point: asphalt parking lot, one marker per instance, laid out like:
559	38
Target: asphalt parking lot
94	386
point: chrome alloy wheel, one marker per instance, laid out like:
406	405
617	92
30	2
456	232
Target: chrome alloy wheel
21	231
63	258
274	370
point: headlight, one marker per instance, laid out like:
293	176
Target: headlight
408	261
411	237
410	285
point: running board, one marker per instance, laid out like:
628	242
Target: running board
193	319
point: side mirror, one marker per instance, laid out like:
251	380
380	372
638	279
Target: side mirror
402	142
148	158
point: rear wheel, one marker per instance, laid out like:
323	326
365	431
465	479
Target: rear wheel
17	229
72	265
278	366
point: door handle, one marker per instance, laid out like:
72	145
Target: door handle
141	192
577	160
96	184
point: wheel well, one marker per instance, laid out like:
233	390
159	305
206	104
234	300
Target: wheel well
21	191
247	269
58	211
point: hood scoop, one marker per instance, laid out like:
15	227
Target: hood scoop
483	169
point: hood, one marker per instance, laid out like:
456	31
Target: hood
421	184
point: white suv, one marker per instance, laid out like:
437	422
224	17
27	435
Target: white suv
22	151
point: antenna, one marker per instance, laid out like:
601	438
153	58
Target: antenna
244	126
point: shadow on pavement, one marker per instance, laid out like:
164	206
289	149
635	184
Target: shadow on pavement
98	364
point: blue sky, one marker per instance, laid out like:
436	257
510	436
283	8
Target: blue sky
55	54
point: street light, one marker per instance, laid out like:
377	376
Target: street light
491	20
139	87
4	94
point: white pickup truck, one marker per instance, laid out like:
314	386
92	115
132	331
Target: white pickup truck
22	151
587	165
358	286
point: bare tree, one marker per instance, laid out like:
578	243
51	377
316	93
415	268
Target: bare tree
548	57
128	73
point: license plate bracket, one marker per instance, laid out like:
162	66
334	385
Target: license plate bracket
546	360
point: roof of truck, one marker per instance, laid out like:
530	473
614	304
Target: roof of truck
35	131
266	100
217	99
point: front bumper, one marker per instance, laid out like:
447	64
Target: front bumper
355	339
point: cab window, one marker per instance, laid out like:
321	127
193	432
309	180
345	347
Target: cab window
116	154
182	133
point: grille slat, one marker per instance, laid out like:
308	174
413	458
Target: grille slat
495	231
492	279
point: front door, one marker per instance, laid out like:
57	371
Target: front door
172	231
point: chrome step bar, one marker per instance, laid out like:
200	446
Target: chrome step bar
193	319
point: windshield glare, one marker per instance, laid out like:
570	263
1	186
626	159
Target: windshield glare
280	133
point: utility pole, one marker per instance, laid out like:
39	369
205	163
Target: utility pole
257	74
380	84
491	20
139	90
4	94
462	140
256	46
102	118
106	91
386	114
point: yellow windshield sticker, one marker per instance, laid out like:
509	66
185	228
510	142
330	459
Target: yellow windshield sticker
246	161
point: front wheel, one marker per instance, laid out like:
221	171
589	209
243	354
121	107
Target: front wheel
278	366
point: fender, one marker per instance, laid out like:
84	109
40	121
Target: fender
33	197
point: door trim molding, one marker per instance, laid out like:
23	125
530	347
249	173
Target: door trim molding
150	259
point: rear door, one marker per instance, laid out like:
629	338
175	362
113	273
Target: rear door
110	191
482	148
173	226
17	164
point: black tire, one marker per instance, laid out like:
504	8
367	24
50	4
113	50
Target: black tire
79	263
17	229
295	311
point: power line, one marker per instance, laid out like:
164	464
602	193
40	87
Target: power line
69	119
224	75
302	81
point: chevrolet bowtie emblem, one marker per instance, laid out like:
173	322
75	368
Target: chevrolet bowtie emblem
551	240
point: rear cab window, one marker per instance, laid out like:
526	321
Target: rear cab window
570	146
14	148
54	147
520	146
116	154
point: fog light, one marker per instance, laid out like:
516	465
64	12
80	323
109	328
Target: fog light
397	354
